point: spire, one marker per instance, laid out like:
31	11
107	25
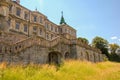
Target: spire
62	19
36	9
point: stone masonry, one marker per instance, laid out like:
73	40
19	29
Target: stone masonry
29	37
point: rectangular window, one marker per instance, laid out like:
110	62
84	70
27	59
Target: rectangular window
51	27
47	36
9	21
10	8
34	29
0	49
51	36
25	28
35	18
40	19
65	30
26	16
18	11
46	25
40	31
55	29
17	25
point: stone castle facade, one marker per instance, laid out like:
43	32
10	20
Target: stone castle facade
30	37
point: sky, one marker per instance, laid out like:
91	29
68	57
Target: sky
90	18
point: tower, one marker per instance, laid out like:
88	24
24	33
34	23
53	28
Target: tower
62	21
4	13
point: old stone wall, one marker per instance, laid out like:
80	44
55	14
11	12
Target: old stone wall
89	55
40	55
35	54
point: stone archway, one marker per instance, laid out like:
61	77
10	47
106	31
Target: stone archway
87	56
54	58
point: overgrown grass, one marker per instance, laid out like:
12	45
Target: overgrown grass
70	70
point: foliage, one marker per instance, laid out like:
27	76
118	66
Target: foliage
84	40
70	70
114	57
113	48
101	44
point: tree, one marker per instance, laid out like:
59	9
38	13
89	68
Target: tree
84	40
113	48
114	56
102	44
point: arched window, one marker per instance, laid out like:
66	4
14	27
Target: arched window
87	55
67	55
0	49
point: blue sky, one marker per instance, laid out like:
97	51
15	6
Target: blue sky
89	17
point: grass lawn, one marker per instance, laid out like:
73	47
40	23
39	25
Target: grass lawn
69	70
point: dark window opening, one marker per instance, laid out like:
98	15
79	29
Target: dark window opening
0	49
34	28
35	18
40	19
40	31
25	28
18	12
17	25
67	55
26	16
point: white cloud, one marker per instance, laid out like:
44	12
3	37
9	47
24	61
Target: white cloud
118	39
114	37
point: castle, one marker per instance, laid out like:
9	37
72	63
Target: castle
30	37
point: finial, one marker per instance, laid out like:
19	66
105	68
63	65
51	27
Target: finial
62	13
36	9
62	21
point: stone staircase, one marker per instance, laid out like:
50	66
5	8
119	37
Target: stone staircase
31	41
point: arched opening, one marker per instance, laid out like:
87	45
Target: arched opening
94	57
67	55
87	56
54	58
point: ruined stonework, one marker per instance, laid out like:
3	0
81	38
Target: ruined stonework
29	37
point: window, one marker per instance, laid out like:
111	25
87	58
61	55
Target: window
40	31
17	25
47	36
9	21
34	28
10	8
0	49
35	18
25	28
18	11
25	16
65	30
69	31
46	25
51	28
55	29
51	36
40	19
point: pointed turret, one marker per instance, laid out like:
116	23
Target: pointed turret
62	21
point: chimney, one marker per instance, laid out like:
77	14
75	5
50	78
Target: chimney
18	1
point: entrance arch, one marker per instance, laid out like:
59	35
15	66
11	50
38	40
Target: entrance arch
54	58
87	56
